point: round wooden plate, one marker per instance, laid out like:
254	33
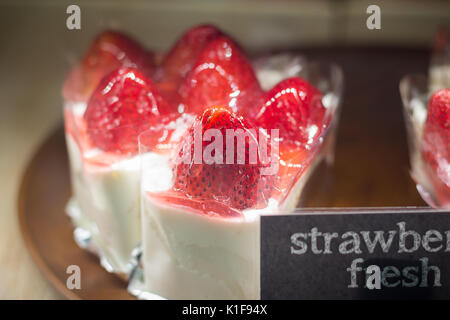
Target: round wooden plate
371	168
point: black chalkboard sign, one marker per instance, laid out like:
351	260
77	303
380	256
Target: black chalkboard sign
356	254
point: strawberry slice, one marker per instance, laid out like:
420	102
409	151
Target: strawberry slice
229	178
109	51
124	104
182	57
295	108
222	76
436	143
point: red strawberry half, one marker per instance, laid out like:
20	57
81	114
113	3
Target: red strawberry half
222	75
124	104
233	181
109	51
182	57
436	143
294	107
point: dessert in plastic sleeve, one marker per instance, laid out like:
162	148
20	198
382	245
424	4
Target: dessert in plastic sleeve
108	100
200	220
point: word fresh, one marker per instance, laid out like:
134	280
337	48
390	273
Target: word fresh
392	276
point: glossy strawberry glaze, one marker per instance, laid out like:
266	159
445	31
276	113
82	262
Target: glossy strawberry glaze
110	50
225	74
105	201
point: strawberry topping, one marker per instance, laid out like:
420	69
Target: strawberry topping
295	108
109	51
124	104
182	57
223	76
214	174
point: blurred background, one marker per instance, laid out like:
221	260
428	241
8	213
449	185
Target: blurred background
36	51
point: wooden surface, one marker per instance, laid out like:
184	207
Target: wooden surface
371	167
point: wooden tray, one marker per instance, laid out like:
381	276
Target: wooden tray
371	168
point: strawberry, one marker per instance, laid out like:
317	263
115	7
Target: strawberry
295	108
222	75
109	51
223	178
436	143
182	57
124	104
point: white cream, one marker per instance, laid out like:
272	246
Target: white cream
106	204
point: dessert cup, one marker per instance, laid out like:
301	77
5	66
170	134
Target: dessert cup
189	255
105	204
415	92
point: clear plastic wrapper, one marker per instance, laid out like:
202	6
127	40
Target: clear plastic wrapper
204	254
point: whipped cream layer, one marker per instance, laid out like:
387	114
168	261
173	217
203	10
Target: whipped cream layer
105	203
193	256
